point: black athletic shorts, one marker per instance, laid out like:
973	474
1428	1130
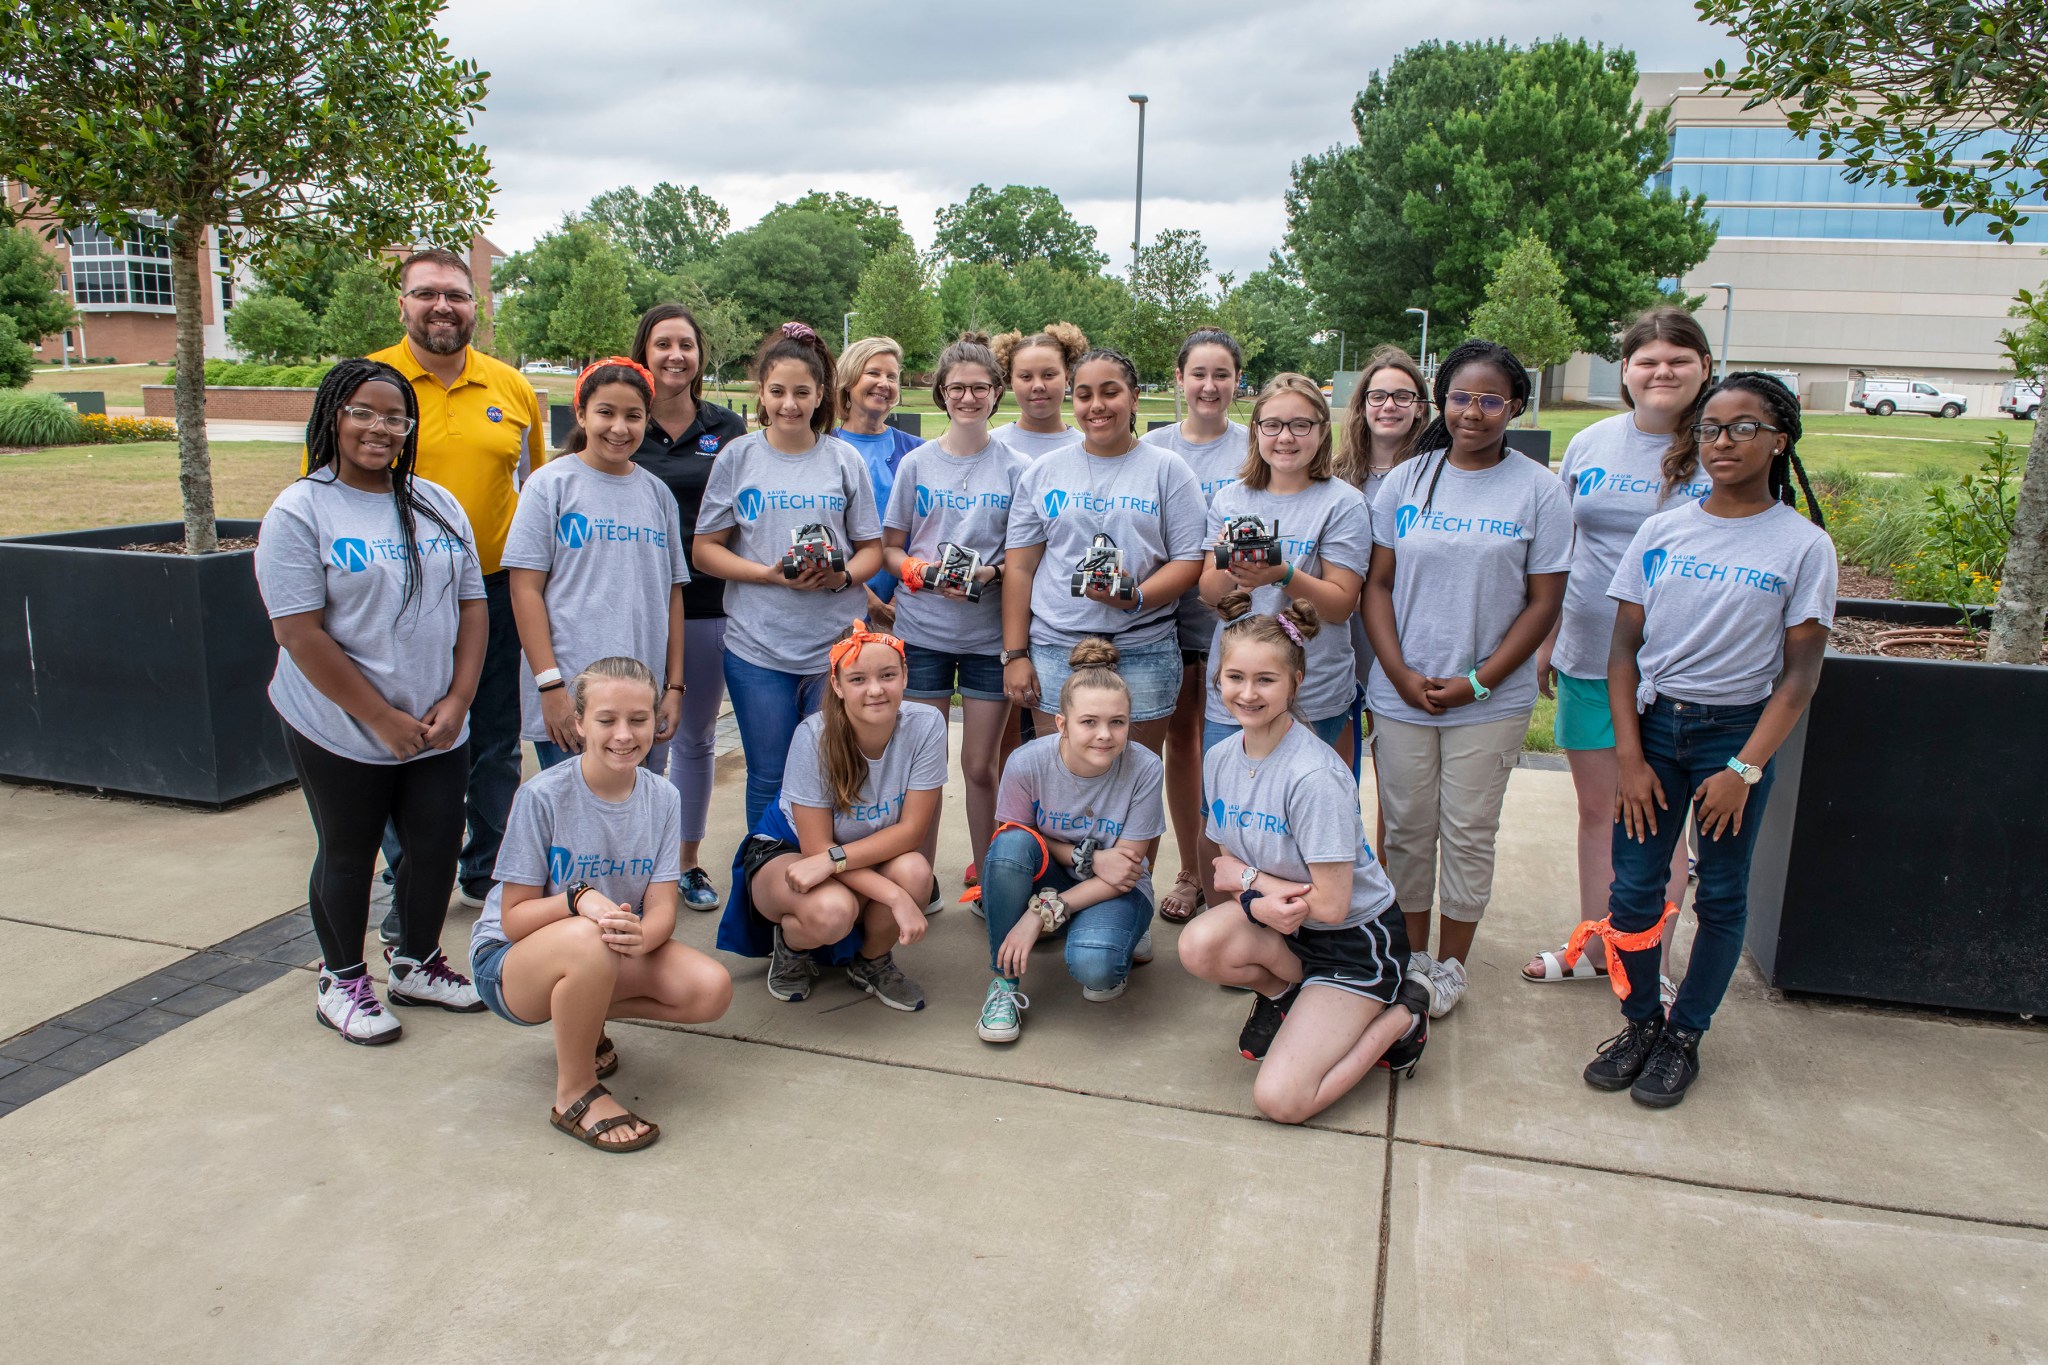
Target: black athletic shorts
1367	960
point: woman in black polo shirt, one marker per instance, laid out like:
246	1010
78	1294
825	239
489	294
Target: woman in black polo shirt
684	436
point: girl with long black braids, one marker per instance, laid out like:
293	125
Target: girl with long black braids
1723	611
1470	546
377	602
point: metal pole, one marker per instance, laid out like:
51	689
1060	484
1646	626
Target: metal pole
1423	359
1727	317
1340	350
1138	209
846	331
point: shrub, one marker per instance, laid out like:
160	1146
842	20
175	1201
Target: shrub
37	419
249	374
274	327
17	360
1968	528
96	429
1875	523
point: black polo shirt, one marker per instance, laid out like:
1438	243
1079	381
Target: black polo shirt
683	462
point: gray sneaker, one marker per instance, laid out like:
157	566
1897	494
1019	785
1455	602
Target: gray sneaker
884	980
789	971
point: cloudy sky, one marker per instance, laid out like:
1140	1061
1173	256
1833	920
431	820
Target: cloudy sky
759	101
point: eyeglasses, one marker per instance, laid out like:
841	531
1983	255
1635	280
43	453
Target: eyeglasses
456	298
1706	433
1300	426
371	421
958	391
1400	398
1492	404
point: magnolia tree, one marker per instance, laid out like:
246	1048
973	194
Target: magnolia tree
1524	310
1948	98
280	123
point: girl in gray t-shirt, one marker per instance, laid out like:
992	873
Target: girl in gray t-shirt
767	489
370	578
833	868
581	920
1315	932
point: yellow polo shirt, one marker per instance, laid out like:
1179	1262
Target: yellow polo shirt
471	437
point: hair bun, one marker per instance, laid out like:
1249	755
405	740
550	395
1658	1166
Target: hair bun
1234	604
1073	341
1303	616
1094	652
973	338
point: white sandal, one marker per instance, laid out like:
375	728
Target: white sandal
1591	966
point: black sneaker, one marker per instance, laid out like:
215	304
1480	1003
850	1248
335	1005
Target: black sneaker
1404	1052
1673	1066
1622	1057
1266	1018
388	932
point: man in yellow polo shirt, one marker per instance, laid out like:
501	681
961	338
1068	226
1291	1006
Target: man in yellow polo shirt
478	419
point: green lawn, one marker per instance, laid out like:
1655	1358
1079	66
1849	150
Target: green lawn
67	487
122	384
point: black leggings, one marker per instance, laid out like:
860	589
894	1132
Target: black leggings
350	802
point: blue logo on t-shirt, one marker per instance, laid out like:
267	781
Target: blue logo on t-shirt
573	529
748	504
1408	514
495	413
1662	564
1404	517
1216	810
1653	564
560	861
1243	817
1055	502
924	501
351	555
708	443
1590	479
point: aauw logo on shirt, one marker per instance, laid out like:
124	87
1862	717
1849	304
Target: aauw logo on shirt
566	866
1653	565
930	500
751	502
560	861
1055	502
1407	516
1076	822
573	530
1590	479
1661	563
1244	817
350	555
1404	518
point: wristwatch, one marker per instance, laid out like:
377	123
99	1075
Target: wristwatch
1247	877
575	890
838	857
1480	691
1748	772
1010	656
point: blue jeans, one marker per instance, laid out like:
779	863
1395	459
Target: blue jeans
1686	743
1100	939
768	705
493	747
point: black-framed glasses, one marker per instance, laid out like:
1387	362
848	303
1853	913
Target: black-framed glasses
457	298
371	421
1706	433
1300	426
1492	404
1400	398
956	392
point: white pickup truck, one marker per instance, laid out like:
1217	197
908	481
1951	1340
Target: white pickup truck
1883	397
2021	398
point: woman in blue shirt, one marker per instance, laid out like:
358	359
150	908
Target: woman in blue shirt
870	380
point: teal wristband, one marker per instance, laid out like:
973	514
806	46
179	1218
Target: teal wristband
1480	691
1287	577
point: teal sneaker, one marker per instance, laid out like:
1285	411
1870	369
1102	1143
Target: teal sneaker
1001	1021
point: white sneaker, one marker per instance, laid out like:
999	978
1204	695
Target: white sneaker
432	982
1419	964
351	1008
1446	986
1142	954
467	901
1088	993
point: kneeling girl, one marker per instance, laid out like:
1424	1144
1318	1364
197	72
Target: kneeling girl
577	929
833	866
1082	815
1315	930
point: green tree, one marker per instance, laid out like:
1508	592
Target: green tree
795	264
306	272
17	361
726	336
982	297
1524	309
273	329
1465	147
1169	299
362	312
667	229
596	316
1949	97
895	300
879	225
1015	224
28	288
1273	309
291	121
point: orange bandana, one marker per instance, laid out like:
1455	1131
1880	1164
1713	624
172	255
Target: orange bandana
862	637
596	365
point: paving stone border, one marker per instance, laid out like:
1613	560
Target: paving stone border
60	1050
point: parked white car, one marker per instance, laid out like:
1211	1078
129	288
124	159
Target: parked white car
2021	398
1883	397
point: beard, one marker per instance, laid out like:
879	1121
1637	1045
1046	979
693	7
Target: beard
440	336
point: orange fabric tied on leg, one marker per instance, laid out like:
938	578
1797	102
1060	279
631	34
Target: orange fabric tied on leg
1044	857
1616	944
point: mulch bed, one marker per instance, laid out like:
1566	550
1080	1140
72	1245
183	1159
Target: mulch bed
177	547
1860	635
1855	582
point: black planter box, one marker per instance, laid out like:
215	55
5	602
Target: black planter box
136	672
1531	441
1904	851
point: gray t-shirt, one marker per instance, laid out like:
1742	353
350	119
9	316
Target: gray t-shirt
561	832
612	548
1461	573
1039	789
914	761
1033	445
1326	523
939	498
1217	465
768	495
1149	503
1361	646
1613	474
1718	594
334	549
1295	807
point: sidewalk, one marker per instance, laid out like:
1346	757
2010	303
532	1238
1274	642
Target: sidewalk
838	1181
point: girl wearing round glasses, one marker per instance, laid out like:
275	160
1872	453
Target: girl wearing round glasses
1388	410
1723	607
1212	445
1470	546
1613	475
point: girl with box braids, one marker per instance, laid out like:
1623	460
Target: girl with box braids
1436	437
1684	457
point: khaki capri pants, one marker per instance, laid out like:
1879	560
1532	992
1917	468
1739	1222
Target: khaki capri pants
1441	788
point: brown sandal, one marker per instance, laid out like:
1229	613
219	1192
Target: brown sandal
607	1057
593	1136
1183	901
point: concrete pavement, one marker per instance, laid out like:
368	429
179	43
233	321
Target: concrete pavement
838	1181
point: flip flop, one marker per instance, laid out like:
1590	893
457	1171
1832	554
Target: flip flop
593	1136
1589	967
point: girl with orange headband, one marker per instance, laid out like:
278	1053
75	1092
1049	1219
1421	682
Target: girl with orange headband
832	869
596	560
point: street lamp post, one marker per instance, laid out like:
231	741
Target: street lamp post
846	331
1340	348
1727	316
1423	359
1138	210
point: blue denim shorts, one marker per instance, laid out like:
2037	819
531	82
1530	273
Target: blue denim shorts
1152	672
487	973
937	673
